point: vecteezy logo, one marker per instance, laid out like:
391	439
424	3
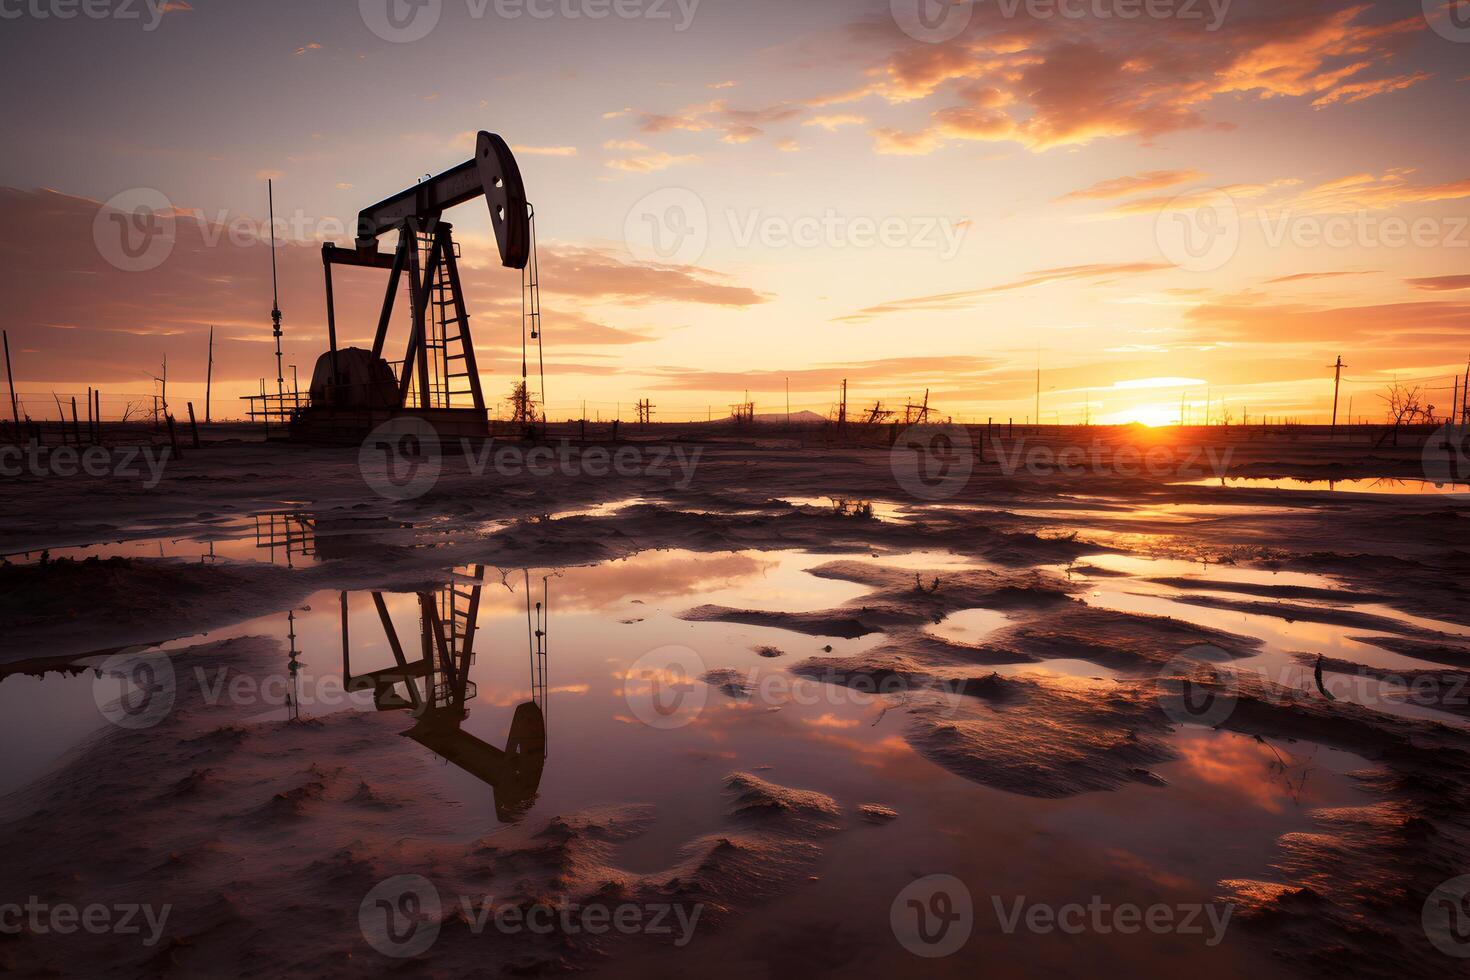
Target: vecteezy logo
135	690
400	917
662	687
1446	917
933	916
1450	19
134	230
932	21
1194	690
1446	459
669	226
1199	231
932	462
401	459
401	21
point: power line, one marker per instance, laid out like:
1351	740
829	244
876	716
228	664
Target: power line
1389	381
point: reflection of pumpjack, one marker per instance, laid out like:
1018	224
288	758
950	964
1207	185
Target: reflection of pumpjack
436	687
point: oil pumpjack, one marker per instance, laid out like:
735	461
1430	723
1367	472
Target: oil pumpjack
354	390
435	688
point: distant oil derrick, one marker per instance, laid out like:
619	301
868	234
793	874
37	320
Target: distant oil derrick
918	414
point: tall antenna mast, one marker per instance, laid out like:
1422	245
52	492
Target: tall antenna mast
208	375
276	300
1038	384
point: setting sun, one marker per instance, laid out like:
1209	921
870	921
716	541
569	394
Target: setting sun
1152	415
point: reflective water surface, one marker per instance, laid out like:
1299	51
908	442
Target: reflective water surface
514	682
1382	485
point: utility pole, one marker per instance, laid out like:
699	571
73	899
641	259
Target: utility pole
788	403
208	375
1465	395
10	379
1038	387
1336	384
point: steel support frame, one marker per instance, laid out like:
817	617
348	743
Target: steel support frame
406	258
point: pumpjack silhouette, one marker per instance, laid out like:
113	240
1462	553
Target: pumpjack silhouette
436	688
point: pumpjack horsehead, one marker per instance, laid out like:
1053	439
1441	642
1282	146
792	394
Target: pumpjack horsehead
353	389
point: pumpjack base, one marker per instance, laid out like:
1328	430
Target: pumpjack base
350	426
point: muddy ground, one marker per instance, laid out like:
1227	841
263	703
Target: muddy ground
1026	516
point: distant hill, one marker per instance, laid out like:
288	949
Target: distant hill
797	418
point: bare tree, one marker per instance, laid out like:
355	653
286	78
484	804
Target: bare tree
1405	407
521	407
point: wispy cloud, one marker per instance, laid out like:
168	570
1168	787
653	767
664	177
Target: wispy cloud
1311	276
1113	187
1441	283
546	151
1097	272
835	121
650	162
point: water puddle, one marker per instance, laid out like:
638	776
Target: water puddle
858	509
290	539
970	626
514	684
1394	487
1125	585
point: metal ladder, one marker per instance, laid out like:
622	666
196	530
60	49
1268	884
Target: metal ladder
444	367
460	624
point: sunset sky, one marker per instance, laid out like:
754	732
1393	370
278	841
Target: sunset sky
731	193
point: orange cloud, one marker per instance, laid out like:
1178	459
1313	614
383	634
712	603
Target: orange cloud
649	163
734	125
1383	325
1368	191
1123	186
1441	283
834	122
895	142
1308	276
1358	91
546	151
590	273
1067	81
